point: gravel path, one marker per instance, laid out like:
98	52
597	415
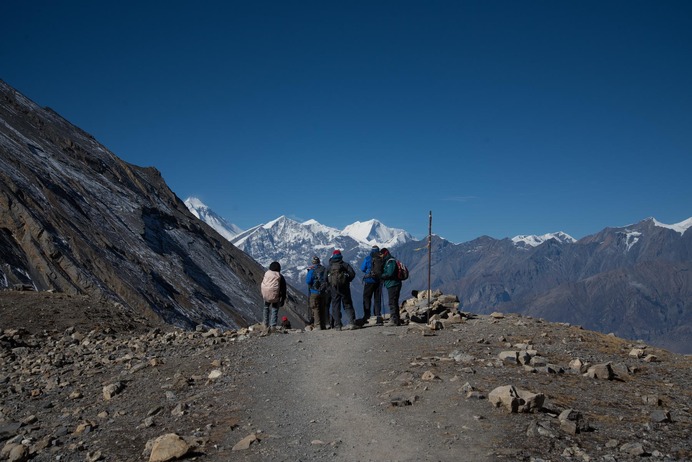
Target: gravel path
315	402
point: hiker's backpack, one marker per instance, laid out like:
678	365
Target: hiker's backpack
377	266
318	279
271	287
338	276
401	272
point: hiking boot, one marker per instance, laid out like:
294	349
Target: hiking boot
379	322
393	322
350	327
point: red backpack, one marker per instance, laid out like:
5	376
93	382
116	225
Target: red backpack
401	272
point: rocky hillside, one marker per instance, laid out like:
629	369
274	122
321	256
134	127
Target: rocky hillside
79	220
634	281
79	383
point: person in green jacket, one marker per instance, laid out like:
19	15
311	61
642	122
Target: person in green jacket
393	286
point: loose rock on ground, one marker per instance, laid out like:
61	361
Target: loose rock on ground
89	387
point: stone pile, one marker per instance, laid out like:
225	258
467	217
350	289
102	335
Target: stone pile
443	310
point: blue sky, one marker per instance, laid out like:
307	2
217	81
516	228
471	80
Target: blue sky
502	117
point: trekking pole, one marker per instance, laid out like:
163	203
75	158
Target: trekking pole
381	299
429	259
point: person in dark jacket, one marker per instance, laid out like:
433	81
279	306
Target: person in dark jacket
316	279
393	286
340	276
372	285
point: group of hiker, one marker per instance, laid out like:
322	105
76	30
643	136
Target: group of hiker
330	290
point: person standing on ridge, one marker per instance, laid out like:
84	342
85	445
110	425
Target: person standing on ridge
393	286
273	290
372	285
316	280
340	276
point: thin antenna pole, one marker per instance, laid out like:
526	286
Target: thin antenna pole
429	259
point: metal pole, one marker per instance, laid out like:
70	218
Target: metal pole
429	259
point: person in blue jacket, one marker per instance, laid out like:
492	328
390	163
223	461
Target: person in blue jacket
316	279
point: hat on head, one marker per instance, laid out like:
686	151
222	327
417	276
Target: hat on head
284	318
384	251
315	260
374	247
336	252
275	266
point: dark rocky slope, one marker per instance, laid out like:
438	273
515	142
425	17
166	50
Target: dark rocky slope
77	219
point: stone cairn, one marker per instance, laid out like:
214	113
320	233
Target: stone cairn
443	311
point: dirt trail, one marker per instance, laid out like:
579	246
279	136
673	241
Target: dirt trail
328	394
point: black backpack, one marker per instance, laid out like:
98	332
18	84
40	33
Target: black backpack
318	278
338	276
377	266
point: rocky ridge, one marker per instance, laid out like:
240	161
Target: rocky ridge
80	385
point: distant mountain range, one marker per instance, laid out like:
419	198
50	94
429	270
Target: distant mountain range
293	244
634	281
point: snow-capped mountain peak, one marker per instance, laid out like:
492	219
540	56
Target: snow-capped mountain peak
294	244
282	220
527	241
372	232
204	213
677	227
193	204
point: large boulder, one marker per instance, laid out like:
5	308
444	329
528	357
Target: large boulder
515	399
